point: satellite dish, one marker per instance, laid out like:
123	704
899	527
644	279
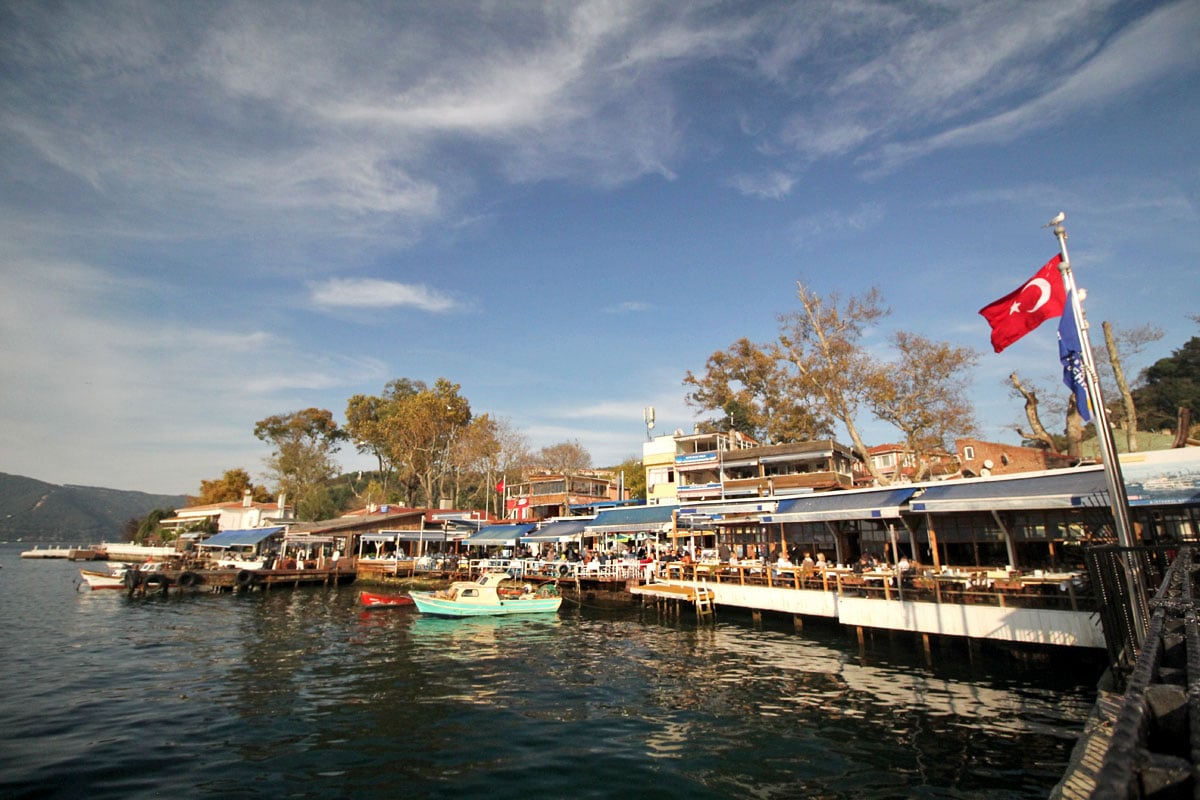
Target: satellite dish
987	463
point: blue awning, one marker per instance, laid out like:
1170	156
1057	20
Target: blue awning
638	518
499	534
558	531
829	506
1078	488
249	536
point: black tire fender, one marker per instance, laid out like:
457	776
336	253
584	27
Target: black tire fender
245	578
188	579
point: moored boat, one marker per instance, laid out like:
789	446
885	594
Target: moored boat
483	597
113	579
376	600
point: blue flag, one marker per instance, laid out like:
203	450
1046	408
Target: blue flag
1070	350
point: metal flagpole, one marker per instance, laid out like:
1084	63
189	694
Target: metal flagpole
1117	495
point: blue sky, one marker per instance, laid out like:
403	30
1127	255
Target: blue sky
215	212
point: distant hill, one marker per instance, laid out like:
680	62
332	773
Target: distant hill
43	512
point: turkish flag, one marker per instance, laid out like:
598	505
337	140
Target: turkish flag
500	487
1018	312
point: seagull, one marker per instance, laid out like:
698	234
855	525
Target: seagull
1057	220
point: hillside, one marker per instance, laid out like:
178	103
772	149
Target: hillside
34	511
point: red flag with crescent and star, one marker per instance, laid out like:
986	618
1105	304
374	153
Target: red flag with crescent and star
1018	312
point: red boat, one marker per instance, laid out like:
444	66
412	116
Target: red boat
373	600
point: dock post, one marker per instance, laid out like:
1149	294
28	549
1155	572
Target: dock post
797	623
928	651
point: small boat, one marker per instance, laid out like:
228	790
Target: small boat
374	600
118	575
484	597
113	579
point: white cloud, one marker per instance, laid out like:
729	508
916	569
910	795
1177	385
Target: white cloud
834	223
1161	44
773	185
629	307
372	293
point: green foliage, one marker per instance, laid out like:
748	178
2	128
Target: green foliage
304	443
635	477
1170	384
148	529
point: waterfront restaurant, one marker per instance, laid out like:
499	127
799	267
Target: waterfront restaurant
1023	521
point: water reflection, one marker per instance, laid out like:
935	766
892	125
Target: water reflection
303	693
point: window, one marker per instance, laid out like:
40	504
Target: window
968	453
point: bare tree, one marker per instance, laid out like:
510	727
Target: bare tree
923	394
1038	432
1130	343
823	341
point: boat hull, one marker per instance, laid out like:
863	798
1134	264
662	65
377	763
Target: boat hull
102	580
430	603
373	600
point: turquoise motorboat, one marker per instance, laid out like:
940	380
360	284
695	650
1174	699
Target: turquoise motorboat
485	597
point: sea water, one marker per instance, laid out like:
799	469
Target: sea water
303	693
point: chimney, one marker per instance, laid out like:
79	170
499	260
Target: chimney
246	499
282	501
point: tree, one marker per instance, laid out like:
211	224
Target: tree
823	341
419	428
365	427
1038	433
149	527
923	394
1170	384
231	486
1130	343
635	477
564	458
302	460
754	393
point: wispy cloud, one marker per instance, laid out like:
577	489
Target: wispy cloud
835	223
1160	44
629	307
373	293
773	185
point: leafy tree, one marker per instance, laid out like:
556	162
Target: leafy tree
302	460
923	394
754	393
148	528
231	486
564	458
366	427
635	477
1170	384
820	371
423	430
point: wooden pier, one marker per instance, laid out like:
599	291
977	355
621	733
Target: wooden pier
163	581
